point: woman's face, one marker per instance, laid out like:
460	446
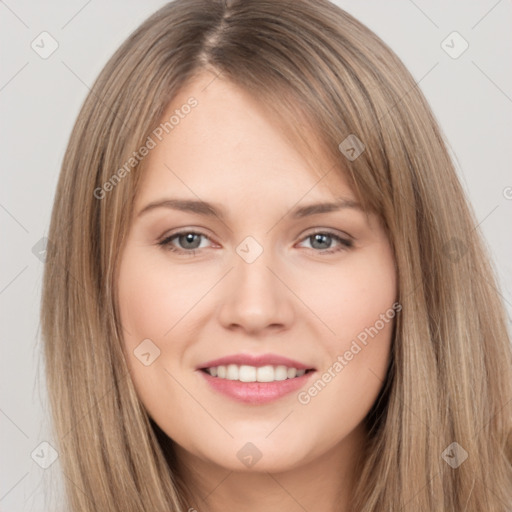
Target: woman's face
232	261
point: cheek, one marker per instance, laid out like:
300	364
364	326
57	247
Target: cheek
360	308
153	303
351	296
152	299
348	385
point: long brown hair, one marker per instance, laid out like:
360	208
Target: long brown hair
327	77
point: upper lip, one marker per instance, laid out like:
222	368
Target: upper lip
255	360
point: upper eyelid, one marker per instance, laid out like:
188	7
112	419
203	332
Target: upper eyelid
196	231
329	231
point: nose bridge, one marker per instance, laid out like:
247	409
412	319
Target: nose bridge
254	298
255	276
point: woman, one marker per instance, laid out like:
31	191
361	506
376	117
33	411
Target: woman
265	289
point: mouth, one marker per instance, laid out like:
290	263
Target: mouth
248	373
255	379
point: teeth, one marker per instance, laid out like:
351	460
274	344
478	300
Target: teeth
232	372
245	373
291	373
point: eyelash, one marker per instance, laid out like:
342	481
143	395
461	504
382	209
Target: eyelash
344	243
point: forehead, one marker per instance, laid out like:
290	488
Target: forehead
229	143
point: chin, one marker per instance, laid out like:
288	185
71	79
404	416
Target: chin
257	457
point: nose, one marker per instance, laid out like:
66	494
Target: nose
254	300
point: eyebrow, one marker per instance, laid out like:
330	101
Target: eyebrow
210	210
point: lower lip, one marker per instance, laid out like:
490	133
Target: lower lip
256	392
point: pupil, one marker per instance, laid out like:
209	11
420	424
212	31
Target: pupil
188	242
321	241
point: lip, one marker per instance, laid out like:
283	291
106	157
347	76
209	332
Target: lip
256	360
255	392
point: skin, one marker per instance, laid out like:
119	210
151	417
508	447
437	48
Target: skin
294	300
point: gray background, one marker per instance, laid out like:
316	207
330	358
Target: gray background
40	98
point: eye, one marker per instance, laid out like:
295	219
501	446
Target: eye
326	242
184	242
